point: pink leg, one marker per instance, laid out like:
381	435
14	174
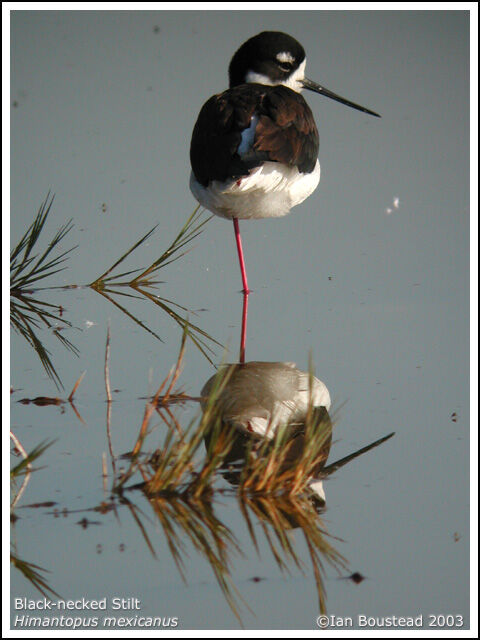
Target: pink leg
243	337
238	239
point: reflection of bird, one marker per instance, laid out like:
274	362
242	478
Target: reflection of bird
254	147
261	397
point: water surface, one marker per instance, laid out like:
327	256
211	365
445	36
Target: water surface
103	104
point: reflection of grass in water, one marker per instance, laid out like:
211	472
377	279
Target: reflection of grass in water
46	401
29	269
110	283
27	315
194	519
278	516
32	572
196	334
181	515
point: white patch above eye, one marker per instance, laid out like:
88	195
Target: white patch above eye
285	56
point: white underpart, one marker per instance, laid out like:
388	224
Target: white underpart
294	81
285	412
317	487
269	191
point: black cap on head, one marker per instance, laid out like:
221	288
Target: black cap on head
259	54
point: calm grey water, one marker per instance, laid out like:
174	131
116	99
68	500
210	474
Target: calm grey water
103	104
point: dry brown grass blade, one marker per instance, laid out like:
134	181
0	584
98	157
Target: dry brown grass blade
75	387
162	509
284	465
176	465
104	471
108	390
248	521
133	510
149	409
109	402
77	413
178	368
171	421
213	461
32	574
18	445
71	396
272	510
322	599
183	517
151	406
280	518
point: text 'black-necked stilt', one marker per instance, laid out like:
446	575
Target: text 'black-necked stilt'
254	147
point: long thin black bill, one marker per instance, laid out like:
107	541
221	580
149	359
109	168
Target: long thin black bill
330	468
313	86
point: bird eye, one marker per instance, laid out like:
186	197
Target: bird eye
285	66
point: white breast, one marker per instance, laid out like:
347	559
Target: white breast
269	191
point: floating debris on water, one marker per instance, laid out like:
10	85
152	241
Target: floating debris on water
395	206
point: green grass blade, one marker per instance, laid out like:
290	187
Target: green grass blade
98	281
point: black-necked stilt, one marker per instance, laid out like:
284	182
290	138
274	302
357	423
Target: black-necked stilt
254	147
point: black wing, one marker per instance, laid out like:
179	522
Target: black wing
285	132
